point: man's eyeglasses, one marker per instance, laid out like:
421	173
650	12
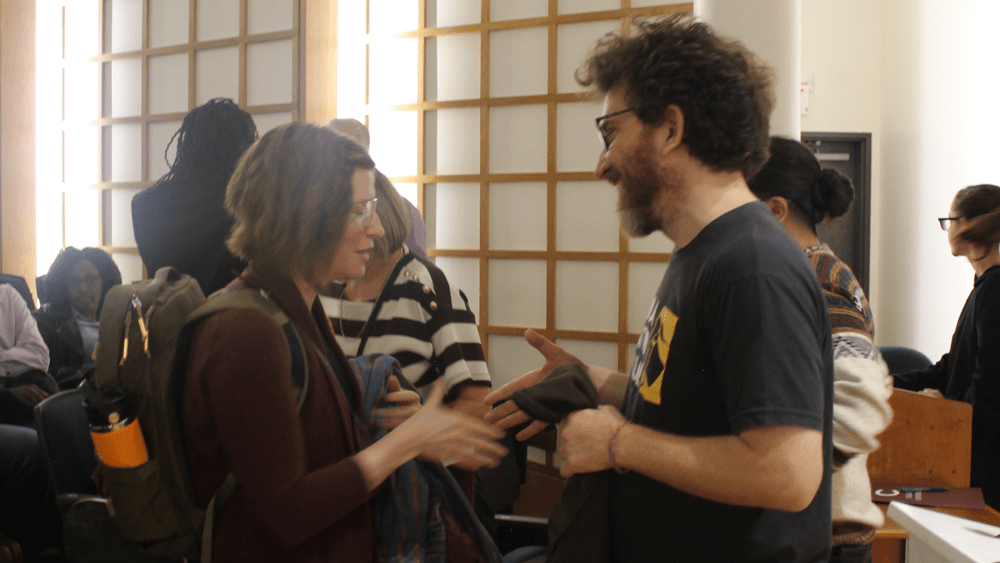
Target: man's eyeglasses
946	222
364	211
604	134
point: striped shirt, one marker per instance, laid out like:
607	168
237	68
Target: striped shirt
421	320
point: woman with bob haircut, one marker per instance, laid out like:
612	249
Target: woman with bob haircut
970	371
801	195
304	215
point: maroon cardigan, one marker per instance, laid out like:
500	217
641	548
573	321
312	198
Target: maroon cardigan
300	495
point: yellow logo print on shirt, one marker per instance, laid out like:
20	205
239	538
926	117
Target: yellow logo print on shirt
667	322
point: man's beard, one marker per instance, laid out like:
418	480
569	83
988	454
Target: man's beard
638	190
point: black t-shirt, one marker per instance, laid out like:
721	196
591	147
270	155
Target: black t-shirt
738	336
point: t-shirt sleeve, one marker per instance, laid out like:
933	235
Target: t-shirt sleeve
770	353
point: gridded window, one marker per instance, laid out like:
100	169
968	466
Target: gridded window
473	106
121	78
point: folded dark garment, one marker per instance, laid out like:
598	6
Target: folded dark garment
566	389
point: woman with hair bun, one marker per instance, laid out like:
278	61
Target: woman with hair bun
970	371
801	195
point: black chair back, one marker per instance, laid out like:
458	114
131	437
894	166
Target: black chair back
901	359
21	286
64	435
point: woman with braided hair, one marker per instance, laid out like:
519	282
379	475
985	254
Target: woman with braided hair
801	195
181	221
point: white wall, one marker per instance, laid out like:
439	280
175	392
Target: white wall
918	75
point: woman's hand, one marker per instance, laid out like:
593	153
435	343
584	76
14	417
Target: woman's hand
408	403
451	437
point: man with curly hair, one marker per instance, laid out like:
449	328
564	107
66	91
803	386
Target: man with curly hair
720	437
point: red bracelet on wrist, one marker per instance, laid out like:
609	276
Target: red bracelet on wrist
611	448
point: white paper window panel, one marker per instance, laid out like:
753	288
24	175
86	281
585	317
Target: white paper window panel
519	62
158	136
504	10
130	265
82	91
409	192
266	16
453	67
393	72
656	242
603	354
518	139
394	142
574	44
168	22
453	215
462	273
586	219
577	144
126	25
168	83
269	73
452	141
121	217
517	293
643	280
126	87
392	16
82	213
217	74
81	157
518	215
447	13
648	3
587	295
81	24
510	357
218	19
630	354
126	153
267	121
582	6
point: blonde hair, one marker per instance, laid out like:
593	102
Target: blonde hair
291	196
394	216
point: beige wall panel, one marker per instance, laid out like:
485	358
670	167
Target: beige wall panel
517	293
159	135
270	73
573	43
392	16
125	26
452	141
168	84
126	90
264	16
585	217
656	242
168	22
394	142
126	153
130	265
447	13
218	74
583	6
501	10
218	19
587	295
643	281
453	67
519	62
604	354
518	216
518	139
453	214
578	144
462	273
121	218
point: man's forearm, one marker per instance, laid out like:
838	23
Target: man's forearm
778	467
610	385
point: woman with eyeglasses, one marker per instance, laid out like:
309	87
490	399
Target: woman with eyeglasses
801	195
970	371
304	215
74	290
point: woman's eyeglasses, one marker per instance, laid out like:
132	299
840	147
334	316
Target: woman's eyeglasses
364	211
946	222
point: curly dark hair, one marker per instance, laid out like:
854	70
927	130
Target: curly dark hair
793	173
723	89
210	141
57	278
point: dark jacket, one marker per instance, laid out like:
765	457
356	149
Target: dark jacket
67	362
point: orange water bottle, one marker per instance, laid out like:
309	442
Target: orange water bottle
116	433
